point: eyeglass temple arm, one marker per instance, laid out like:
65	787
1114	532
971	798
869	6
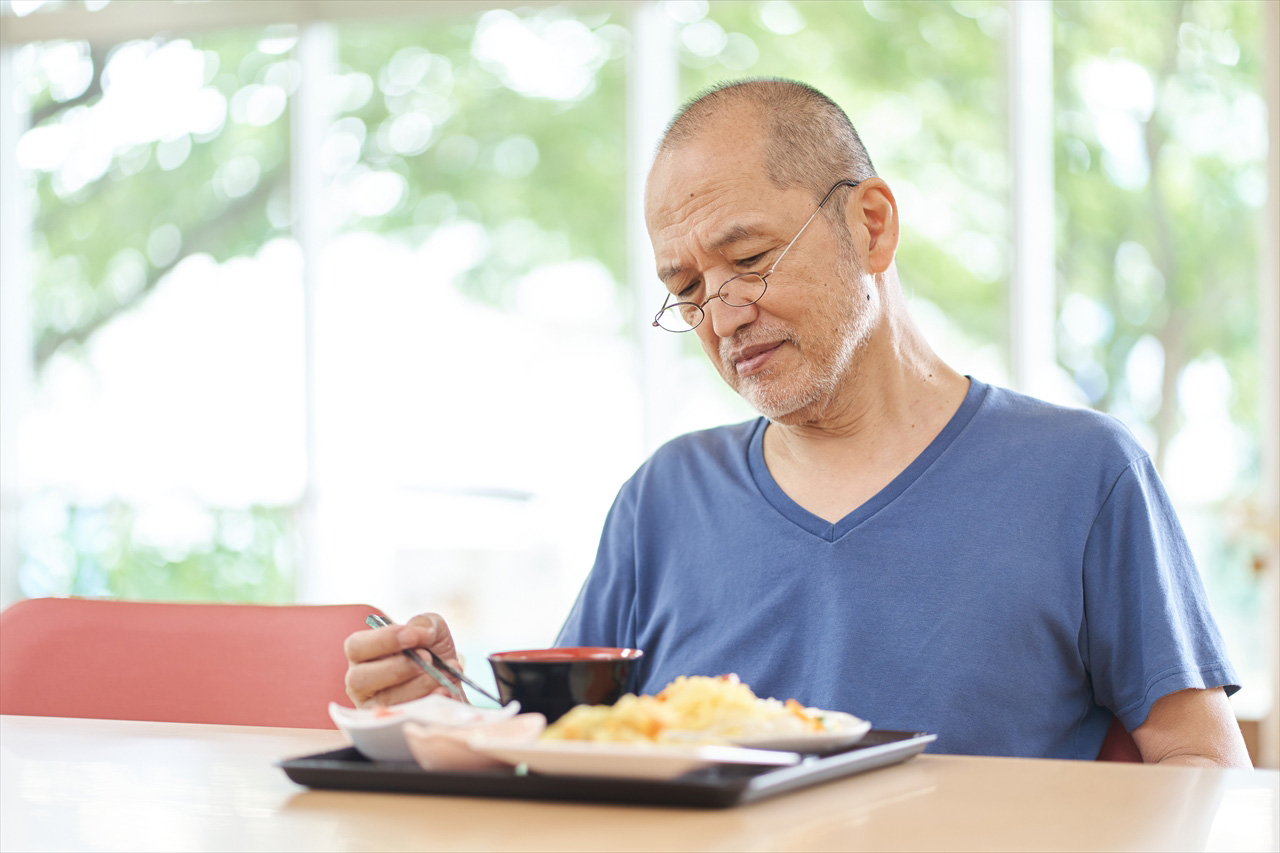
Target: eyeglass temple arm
765	276
830	192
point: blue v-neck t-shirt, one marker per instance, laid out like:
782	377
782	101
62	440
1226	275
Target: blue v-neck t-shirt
1024	579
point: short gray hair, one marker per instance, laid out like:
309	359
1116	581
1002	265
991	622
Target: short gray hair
809	140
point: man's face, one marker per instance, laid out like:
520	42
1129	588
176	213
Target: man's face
712	214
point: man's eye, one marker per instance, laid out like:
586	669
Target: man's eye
751	261
687	293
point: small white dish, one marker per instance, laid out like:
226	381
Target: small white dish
620	760
447	748
378	733
842	730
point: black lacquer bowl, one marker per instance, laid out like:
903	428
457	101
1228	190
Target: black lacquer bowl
551	681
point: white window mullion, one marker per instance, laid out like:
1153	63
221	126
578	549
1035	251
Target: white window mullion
317	54
1032	307
653	75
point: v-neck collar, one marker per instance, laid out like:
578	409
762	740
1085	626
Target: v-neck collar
824	529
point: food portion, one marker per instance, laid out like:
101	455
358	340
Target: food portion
695	709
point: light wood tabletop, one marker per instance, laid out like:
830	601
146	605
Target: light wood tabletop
75	784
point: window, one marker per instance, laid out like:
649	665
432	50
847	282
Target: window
923	84
357	309
477	406
160	445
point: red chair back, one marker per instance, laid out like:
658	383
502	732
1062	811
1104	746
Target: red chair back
234	664
1118	745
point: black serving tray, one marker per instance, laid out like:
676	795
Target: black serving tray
717	786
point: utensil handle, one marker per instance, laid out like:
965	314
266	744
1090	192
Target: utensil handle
377	621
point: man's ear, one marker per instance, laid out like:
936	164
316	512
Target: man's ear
874	211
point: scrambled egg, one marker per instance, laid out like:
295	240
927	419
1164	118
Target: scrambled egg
690	710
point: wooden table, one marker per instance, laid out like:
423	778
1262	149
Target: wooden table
71	784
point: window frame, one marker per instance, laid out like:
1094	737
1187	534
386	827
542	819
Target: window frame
652	84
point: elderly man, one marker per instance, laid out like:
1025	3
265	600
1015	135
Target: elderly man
892	538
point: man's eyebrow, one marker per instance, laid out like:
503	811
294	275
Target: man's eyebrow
728	237
733	234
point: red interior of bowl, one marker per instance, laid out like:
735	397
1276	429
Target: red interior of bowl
566	655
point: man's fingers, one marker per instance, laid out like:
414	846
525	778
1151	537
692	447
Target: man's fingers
379	674
434	621
422	686
383	642
372	681
371	644
365	680
433	626
436	634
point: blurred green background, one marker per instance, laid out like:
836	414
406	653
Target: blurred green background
486	151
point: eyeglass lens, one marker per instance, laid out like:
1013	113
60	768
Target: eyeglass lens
739	291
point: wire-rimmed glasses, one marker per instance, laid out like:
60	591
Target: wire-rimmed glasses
740	291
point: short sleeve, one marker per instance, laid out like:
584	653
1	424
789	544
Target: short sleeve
1148	630
604	613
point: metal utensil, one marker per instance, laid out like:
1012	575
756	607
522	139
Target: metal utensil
375	620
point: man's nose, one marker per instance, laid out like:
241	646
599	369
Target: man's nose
726	319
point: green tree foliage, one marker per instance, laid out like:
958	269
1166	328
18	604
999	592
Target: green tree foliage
550	163
1160	150
1160	147
248	555
104	244
535	159
134	195
923	84
540	166
515	121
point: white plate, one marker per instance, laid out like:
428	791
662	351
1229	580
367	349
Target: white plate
844	730
621	760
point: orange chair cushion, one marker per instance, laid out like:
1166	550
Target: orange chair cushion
236	664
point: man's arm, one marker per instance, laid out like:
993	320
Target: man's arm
1194	728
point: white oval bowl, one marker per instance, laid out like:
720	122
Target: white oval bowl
378	733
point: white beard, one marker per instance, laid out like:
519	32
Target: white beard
776	398
817	383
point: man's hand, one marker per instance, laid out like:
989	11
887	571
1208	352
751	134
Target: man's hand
1196	728
377	672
